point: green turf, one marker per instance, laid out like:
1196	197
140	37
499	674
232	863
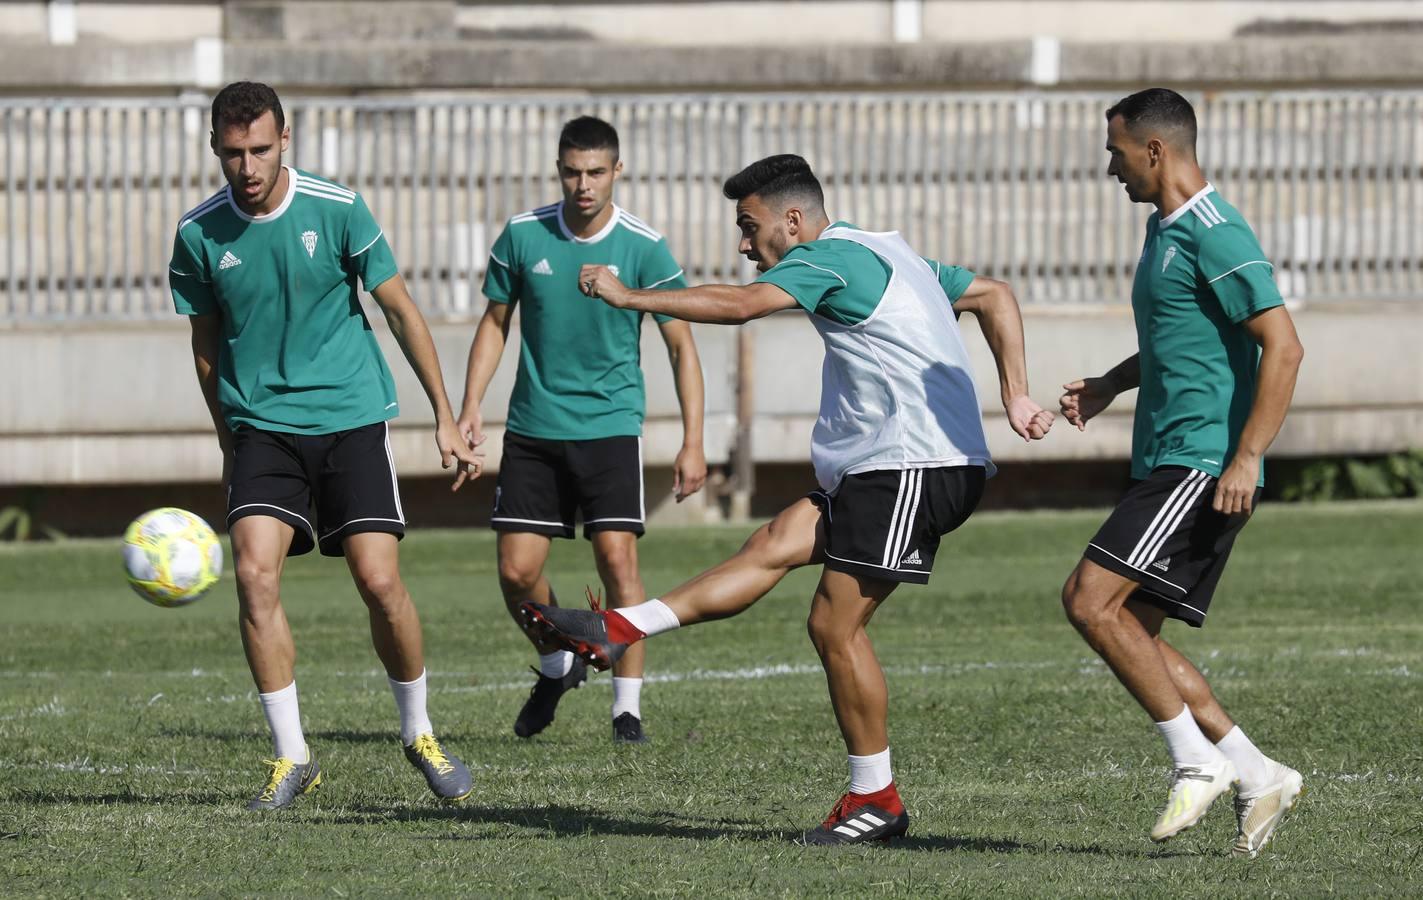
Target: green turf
130	735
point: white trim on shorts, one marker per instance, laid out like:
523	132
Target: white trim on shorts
337	529
1183	591
493	519
394	482
310	530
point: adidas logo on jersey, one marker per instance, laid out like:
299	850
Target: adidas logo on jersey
1163	564
228	261
308	240
542	268
912	559
1166	260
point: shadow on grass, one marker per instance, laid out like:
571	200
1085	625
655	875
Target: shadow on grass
123	797
568	821
947	843
565	821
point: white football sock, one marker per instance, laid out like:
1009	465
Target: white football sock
1249	761
652	617
410	701
1185	742
284	720
870	773
556	664
627	696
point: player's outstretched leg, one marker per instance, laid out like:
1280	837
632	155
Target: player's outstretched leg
790	540
871	810
395	630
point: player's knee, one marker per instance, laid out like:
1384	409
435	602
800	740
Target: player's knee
516	577
619	564
825	633
258	580
768	547
1082	609
379	587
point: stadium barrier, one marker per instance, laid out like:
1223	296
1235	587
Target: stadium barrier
1012	185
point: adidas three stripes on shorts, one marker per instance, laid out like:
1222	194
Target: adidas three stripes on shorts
1165	536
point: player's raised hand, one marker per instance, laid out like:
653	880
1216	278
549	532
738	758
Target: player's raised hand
1028	420
689	472
600	283
455	450
1084	398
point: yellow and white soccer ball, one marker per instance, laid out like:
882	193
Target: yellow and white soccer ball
172	556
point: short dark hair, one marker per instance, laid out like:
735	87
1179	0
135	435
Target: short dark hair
1161	110
776	178
588	133
243	102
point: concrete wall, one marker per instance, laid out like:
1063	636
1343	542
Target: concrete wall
721	22
322	45
118	404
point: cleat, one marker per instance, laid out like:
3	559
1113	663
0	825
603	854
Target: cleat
1193	790
860	819
627	729
446	775
1257	815
537	713
583	631
288	780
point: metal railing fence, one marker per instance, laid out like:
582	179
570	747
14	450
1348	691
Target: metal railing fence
1011	185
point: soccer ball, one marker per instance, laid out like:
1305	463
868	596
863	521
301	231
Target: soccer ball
172	556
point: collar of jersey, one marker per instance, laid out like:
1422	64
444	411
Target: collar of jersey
274	214
1185	207
602	233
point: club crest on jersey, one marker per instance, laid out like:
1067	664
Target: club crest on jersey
1166	259
308	240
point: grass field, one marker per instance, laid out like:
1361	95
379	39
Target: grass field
130	736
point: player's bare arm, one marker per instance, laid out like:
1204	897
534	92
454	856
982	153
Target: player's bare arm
485	352
207	344
714	304
413	335
1280	356
1086	397
689	470
992	302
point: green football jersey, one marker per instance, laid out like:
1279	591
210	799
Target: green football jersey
844	281
580	373
1201	275
297	354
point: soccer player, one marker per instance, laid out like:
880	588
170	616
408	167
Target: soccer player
267	271
573	440
899	450
1215	372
